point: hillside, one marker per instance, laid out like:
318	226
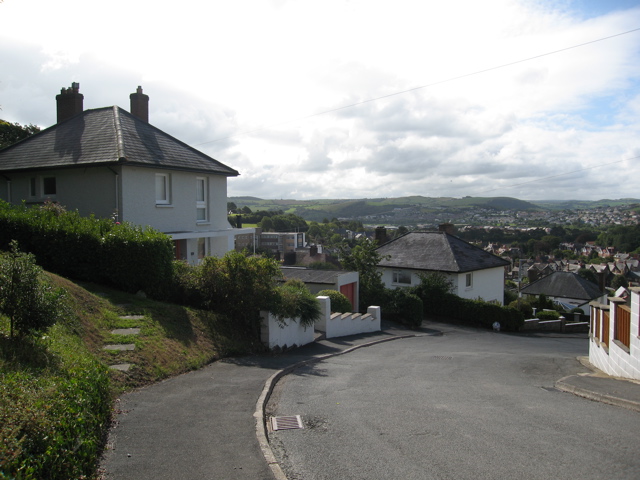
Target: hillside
317	210
57	391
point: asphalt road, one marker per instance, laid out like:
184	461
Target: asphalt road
466	405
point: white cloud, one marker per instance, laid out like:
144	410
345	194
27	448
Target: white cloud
247	82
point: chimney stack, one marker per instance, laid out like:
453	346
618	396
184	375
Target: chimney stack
448	228
140	105
380	235
69	102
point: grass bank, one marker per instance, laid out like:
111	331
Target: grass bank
57	391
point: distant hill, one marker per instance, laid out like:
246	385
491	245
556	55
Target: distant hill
585	204
318	210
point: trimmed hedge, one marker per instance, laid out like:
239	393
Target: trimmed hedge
476	313
403	306
128	257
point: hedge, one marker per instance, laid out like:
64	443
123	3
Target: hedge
403	306
126	256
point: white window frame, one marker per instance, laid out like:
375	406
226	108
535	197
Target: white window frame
202	210
400	277
468	280
163	189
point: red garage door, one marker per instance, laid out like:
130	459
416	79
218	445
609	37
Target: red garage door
349	291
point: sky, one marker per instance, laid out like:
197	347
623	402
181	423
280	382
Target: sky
533	99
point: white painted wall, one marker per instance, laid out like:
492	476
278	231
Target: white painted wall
615	360
487	284
273	334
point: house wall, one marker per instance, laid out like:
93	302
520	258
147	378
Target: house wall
612	357
89	190
139	200
487	284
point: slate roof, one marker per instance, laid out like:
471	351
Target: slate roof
311	275
564	285
436	251
106	136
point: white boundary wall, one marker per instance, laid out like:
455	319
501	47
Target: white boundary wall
615	359
275	335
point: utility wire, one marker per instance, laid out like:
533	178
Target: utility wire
439	82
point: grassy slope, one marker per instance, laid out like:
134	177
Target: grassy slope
36	375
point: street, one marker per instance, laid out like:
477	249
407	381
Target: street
470	404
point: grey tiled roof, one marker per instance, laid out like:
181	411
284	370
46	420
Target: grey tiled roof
565	285
104	136
311	275
436	251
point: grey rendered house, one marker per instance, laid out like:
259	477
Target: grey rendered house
473	272
109	162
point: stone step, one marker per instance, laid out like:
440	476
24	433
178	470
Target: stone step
126	331
120	347
123	367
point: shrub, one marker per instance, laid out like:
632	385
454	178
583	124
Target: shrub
523	306
294	300
339	302
239	287
404	306
25	296
548	315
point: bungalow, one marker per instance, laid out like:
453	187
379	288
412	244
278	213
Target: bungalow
566	288
473	272
112	163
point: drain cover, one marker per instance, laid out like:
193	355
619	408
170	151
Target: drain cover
291	422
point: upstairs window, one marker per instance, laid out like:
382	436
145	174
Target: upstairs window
163	189
201	199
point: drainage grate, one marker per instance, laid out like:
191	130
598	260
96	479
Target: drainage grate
291	422
442	357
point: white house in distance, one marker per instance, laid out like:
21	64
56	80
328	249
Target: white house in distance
108	162
473	272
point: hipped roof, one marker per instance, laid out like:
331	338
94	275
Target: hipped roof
106	136
565	285
436	251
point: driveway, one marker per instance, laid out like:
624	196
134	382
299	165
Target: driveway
469	404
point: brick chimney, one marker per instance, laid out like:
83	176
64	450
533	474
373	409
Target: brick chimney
140	105
447	228
69	102
380	235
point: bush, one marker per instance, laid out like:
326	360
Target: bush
523	306
25	296
404	307
548	315
295	301
339	302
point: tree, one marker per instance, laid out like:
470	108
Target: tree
588	274
364	259
231	207
619	281
31	304
11	133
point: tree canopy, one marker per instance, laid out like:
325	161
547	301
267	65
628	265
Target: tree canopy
11	133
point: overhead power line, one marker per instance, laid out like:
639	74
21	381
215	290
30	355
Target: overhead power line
439	82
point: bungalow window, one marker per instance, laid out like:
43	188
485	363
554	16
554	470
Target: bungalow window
402	277
33	187
163	189
49	186
201	199
468	280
